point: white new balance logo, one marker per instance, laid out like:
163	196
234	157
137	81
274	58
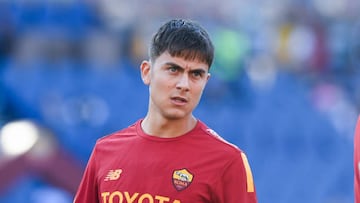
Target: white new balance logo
113	175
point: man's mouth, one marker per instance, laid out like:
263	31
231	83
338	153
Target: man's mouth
179	100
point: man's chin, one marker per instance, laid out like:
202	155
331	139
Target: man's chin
175	115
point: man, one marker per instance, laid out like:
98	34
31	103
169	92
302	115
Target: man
170	156
357	162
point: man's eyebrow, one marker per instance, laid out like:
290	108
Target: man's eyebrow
180	67
198	70
173	65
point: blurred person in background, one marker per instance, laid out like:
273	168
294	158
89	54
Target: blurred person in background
357	161
170	155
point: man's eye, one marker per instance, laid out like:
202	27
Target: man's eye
173	69
197	74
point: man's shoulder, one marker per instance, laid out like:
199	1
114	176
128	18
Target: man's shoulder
218	141
119	135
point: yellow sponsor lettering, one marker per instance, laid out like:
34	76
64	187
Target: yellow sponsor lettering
104	195
147	196
119	197
162	199
131	199
116	193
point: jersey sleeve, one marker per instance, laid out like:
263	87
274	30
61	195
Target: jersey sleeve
357	162
237	184
88	191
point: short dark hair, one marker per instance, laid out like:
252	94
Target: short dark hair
182	38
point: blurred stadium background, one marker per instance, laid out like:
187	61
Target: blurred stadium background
285	88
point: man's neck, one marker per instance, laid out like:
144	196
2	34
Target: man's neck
166	128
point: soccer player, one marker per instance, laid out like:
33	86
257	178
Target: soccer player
169	156
357	162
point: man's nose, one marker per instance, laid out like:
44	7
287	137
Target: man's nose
183	83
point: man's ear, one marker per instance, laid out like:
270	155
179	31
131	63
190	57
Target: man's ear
145	72
208	77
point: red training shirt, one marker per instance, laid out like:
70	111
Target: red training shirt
197	167
357	162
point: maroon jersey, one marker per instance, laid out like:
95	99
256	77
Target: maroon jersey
357	161
197	167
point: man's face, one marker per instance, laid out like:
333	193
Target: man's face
175	85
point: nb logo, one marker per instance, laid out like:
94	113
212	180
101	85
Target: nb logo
113	175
